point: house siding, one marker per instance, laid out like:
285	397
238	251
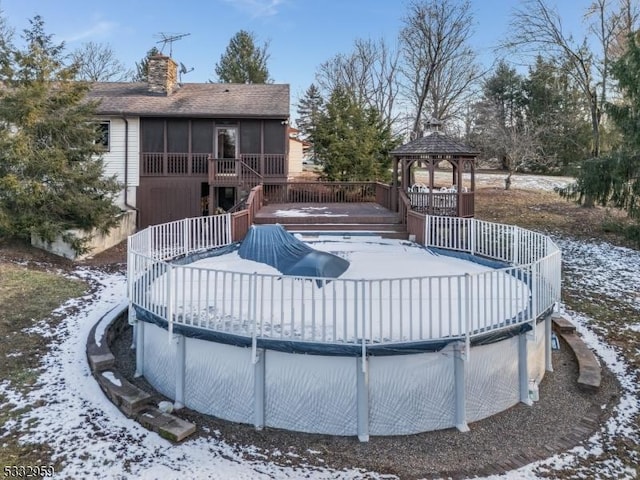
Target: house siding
114	159
295	157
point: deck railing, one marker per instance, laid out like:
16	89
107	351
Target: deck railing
347	311
443	203
173	164
249	165
322	192
243	219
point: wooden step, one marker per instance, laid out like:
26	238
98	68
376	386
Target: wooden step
351	227
382	230
317	219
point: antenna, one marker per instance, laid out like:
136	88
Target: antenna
184	70
169	38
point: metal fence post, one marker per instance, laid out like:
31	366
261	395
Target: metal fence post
472	233
548	362
362	394
258	388
229	238
523	369
169	299
139	332
460	381
180	371
468	323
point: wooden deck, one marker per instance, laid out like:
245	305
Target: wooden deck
343	217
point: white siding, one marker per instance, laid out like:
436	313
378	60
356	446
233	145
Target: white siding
295	157
114	159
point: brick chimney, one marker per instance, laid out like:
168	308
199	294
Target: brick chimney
162	75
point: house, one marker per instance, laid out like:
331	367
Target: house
296	151
184	150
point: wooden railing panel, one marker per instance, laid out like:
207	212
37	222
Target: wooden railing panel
174	164
323	192
383	195
416	226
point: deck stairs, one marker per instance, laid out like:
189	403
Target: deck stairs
387	226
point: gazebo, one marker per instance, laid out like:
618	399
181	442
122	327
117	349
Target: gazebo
439	194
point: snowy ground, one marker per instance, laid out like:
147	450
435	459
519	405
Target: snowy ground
97	441
518	180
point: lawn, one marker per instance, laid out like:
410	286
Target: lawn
29	297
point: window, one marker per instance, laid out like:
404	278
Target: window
226	142
152	135
103	130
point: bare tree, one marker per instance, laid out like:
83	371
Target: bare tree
538	28
628	22
369	73
439	64
96	62
6	47
517	143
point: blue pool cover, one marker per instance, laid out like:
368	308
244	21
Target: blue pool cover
273	245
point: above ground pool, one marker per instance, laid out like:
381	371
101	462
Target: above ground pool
342	334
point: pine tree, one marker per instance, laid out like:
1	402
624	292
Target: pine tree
309	107
243	61
555	104
51	177
615	179
353	144
142	67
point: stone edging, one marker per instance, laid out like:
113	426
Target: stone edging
590	371
131	400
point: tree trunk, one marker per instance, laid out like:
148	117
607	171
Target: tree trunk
507	181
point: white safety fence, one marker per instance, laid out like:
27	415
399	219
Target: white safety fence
327	310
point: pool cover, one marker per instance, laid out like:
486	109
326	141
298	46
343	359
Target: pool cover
273	245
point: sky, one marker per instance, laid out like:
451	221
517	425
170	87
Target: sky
301	34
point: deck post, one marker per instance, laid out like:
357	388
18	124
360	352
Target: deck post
180	370
548	362
523	369
258	388
139	333
460	380
362	373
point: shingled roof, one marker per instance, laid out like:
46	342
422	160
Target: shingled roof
434	143
193	100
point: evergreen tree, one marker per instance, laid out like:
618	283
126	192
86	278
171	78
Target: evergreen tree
50	179
142	67
309	107
555	105
351	141
243	61
615	178
500	110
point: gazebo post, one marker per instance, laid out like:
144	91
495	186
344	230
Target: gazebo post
394	185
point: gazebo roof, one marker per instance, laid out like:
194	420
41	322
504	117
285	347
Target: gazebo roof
434	143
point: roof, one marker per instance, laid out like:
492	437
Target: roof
193	100
434	143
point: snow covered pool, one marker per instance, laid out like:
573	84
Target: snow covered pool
407	339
